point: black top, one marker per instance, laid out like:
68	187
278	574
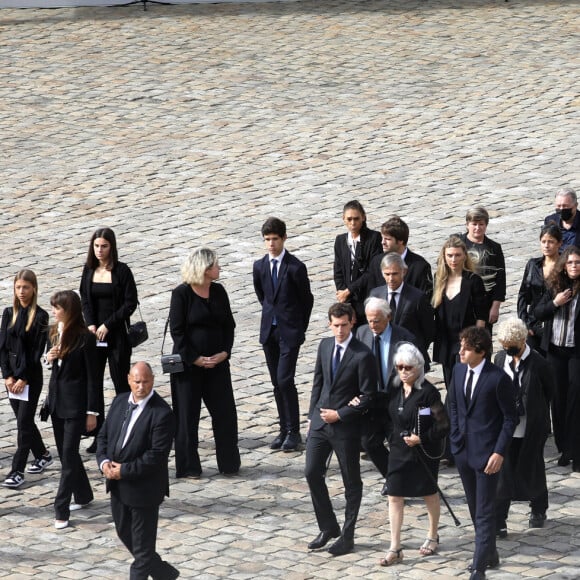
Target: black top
26	346
200	326
102	297
407	474
532	288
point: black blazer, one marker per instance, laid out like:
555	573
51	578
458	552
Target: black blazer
124	298
356	282
415	313
144	474
472	307
545	311
292	302
488	424
355	376
398	334
74	388
418	273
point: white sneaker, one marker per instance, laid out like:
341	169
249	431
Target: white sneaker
73	507
60	524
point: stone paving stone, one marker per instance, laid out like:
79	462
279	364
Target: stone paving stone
189	125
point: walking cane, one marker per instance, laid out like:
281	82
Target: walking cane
433	480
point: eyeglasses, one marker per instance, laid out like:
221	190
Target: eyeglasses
405	368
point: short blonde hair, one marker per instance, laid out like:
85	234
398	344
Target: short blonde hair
511	330
195	265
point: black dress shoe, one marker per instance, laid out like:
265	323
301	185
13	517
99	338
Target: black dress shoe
564	460
277	443
502	533
341	546
492	562
477	575
537	520
322	539
385	490
292	441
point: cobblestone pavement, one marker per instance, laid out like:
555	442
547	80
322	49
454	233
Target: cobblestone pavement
189	125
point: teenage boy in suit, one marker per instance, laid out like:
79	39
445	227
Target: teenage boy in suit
283	289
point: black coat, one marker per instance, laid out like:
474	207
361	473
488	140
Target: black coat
527	479
532	288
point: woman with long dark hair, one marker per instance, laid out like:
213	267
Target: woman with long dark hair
559	309
109	297
23	335
73	398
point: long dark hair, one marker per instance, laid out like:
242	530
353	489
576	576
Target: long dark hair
558	279
109	235
74	329
30	277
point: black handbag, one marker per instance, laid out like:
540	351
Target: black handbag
137	332
44	411
170	363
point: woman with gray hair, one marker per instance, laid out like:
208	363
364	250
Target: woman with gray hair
523	473
202	327
417	441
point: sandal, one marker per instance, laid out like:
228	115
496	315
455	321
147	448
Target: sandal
392	557
429	547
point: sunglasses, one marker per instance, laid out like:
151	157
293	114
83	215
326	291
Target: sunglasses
405	368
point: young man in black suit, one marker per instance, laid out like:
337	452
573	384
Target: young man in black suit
482	411
283	289
132	452
344	369
410	307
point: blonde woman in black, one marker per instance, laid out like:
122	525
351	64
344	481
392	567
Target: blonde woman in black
22	341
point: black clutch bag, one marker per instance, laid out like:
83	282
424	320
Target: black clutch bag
170	363
137	332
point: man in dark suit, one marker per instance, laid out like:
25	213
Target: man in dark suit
395	237
566	217
344	369
283	289
482	410
382	338
132	452
410	308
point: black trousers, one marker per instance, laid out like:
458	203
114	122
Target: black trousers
281	360
321	443
73	477
376	429
28	438
137	529
214	387
118	355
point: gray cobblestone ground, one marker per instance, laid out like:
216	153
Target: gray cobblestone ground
191	124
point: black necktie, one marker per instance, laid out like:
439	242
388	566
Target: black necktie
274	273
379	362
130	408
468	389
516	373
336	360
393	304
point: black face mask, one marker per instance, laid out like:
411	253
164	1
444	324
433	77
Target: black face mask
566	213
512	350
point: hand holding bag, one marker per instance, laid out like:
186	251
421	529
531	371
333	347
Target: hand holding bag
137	332
170	363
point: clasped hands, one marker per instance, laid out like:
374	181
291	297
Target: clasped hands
209	362
15	386
112	470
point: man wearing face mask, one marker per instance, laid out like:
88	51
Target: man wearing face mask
523	474
567	217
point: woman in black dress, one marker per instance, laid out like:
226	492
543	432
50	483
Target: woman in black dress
459	301
109	297
73	398
22	341
533	285
202	327
419	427
353	253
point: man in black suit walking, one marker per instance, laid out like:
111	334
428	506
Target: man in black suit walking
344	369
410	308
482	411
283	289
132	452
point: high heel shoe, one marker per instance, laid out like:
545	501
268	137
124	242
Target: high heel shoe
429	547
392	557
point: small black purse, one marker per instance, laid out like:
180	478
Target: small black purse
170	363
137	332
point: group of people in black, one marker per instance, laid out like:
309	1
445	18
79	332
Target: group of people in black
389	310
